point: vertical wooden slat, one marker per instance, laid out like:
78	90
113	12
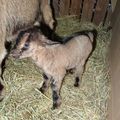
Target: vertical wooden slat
64	7
75	7
109	13
56	7
100	11
87	10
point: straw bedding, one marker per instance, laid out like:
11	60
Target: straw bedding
23	101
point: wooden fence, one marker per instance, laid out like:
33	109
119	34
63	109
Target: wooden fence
95	11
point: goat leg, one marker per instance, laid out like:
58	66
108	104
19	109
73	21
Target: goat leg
45	84
78	73
56	86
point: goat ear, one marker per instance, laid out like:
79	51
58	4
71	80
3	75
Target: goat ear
33	36
44	41
27	34
41	40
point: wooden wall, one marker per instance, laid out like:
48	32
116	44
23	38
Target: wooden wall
87	10
114	106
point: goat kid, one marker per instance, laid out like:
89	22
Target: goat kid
55	58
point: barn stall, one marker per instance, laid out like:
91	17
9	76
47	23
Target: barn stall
23	101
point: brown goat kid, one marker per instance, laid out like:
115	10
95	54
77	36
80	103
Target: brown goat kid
55	58
19	14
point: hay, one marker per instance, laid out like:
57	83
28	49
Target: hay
23	101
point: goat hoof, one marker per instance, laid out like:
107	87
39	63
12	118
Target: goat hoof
76	85
42	90
56	105
77	81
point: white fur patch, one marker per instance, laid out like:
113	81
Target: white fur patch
36	23
2	55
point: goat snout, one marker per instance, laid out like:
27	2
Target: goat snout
15	53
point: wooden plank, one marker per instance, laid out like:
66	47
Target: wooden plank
109	13
100	11
87	11
64	7
108	18
75	7
56	7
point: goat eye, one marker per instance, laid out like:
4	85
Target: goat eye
26	45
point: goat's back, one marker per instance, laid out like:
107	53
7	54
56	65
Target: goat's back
79	45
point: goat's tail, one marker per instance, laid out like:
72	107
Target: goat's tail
92	34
